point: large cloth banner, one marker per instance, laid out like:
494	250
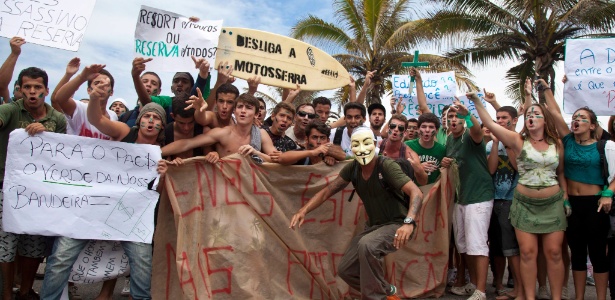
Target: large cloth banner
172	39
53	23
223	233
83	188
440	90
589	67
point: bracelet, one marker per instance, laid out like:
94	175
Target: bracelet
606	193
467	118
394	111
566	203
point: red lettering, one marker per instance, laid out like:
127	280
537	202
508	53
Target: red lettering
227	270
431	274
185	267
290	261
403	275
305	199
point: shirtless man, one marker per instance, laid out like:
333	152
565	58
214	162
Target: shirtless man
243	137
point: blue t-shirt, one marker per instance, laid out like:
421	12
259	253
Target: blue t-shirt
582	162
505	177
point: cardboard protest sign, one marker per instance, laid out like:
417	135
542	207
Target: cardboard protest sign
440	90
83	188
54	23
223	233
589	67
171	39
280	61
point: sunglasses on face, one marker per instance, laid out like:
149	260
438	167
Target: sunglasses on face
401	127
302	114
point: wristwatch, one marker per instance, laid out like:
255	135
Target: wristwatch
410	221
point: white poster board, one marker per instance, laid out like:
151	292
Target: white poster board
440	90
54	23
100	261
589	67
171	39
83	188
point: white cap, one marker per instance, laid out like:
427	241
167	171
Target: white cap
120	100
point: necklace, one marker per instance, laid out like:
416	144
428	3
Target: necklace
537	141
581	142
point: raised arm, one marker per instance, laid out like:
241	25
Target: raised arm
61	99
225	72
490	97
527	99
367	84
352	90
253	83
203	79
476	133
510	138
184	145
115	130
8	67
493	159
415	161
420	92
336	186
560	123
138	66
291	94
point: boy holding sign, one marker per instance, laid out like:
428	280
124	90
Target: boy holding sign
32	113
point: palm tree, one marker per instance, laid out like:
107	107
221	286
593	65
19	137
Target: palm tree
374	35
533	32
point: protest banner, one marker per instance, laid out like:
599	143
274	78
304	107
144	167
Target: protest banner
54	23
83	188
589	67
280	61
223	233
171	39
440	90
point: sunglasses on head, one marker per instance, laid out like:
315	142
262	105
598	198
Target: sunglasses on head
302	114
401	127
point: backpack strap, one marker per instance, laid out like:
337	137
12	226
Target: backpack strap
402	150
337	139
354	178
385	185
601	144
382	146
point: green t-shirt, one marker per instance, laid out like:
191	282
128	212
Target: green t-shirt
441	136
435	153
164	101
476	184
14	115
380	207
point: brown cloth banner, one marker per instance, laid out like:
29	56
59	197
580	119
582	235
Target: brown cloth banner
223	233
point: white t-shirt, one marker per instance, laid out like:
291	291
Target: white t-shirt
78	123
345	144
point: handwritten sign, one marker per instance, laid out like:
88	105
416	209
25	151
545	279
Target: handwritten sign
99	261
53	23
440	90
83	188
590	68
472	108
171	39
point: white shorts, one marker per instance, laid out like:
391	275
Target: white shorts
470	225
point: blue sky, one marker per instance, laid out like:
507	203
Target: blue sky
110	39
